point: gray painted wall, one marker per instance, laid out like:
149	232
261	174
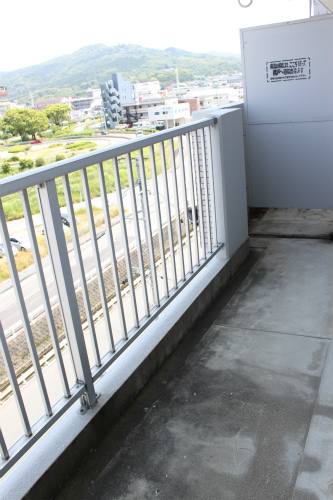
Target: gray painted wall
288	106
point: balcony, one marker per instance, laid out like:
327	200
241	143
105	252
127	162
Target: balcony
243	407
189	360
160	254
243	403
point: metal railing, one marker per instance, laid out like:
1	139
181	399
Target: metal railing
162	240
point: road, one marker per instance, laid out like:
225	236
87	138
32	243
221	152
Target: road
8	308
11	425
30	288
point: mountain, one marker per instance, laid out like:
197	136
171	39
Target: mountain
73	74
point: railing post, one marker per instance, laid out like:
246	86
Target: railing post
228	177
60	264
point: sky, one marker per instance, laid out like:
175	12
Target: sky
35	31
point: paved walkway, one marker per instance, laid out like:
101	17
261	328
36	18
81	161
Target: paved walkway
243	408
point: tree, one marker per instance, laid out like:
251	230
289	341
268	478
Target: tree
26	163
57	113
40	161
5	167
22	121
38	122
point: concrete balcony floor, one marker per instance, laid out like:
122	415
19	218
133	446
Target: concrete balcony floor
243	408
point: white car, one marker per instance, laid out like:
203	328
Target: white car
3	251
20	244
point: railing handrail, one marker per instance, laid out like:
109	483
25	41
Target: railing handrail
29	179
187	173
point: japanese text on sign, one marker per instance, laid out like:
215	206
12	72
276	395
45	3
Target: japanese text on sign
288	69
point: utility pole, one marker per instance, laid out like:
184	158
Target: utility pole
32	99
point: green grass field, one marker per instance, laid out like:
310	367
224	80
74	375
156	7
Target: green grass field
12	203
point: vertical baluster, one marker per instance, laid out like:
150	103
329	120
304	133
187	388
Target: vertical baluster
148	231
211	185
189	178
43	289
168	213
185	202
23	311
199	192
204	168
176	201
158	217
3	448
109	236
137	231
14	384
78	256
125	241
50	211
94	245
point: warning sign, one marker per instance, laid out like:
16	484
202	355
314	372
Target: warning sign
288	69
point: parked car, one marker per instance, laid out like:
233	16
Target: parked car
36	141
3	251
20	244
65	220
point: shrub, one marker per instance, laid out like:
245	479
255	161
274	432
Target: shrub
17	149
92	149
26	163
39	162
60	157
81	145
55	145
13	158
5	167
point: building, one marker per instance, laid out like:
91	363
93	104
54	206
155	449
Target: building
3	93
111	104
81	103
243	408
40	105
94	93
147	90
115	92
166	109
139	110
172	112
193	102
124	88
5	106
208	97
235	79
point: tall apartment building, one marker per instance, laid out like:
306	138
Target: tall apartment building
125	88
114	93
